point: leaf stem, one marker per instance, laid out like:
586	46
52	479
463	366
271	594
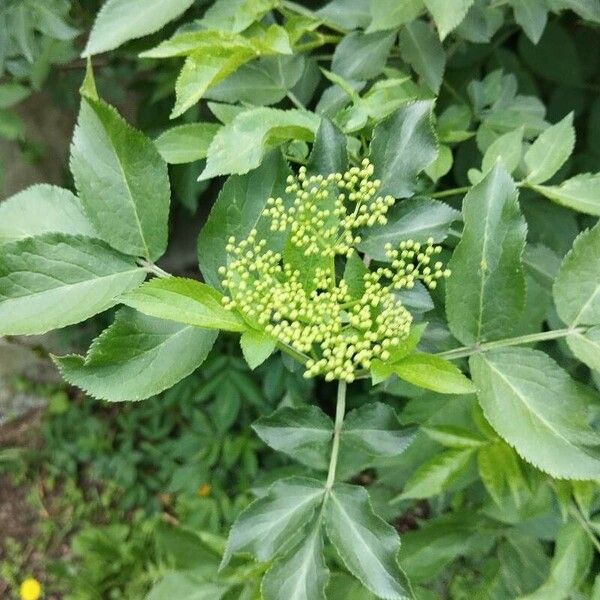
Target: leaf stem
450	192
340	410
295	100
150	267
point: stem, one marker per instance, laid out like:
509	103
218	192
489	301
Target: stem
150	267
295	101
340	409
516	341
585	526
451	192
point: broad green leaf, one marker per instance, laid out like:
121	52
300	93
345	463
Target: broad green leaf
121	20
300	575
375	429
347	14
181	584
185	301
42	209
237	211
329	154
441	165
186	143
486	292
344	587
532	16
256	347
508	148
391	14
362	55
422	50
573	555
550	151
577	286
586	347
137	357
417	219
580	193
275	522
433	373
240	145
50	22
448	16
499	469
236	15
122	181
366	543
587	9
453	436
539	410
55	280
439	472
11	93
402	146
542	264
304	433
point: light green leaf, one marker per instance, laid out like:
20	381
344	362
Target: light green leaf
50	23
362	55
448	16
122	181
499	468
542	264
453	436
256	347
539	410
137	357
186	585
347	14
55	280
274	523
367	544
441	165
402	146
438	473
508	148
301	575
42	209
577	286
391	14
550	151
486	292
532	16
375	429
422	50
186	143
587	9
304	433
586	347
240	145
329	153
184	301
121	20
236	15
581	193
11	93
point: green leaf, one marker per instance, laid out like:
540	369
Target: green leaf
550	151
508	148
236	15
237	211
12	93
438	473
454	437
256	347
366	543
586	347
499	468
577	287
186	143
240	145
121	20
391	14
362	55
422	50
433	373
301	575
137	357
122	181
539	410
486	292
374	428
579	193
303	433
402	146
417	219
274	523
184	301
448	16
532	16
587	9
329	154
346	14
42	209
55	280
189	586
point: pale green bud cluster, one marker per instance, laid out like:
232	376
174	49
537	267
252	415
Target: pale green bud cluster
339	333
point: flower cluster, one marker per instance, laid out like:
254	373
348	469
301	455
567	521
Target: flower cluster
339	325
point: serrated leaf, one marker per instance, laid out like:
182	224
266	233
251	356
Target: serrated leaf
137	357
184	301
508	148
486	292
448	16
586	347
240	145
367	545
577	287
422	50
236	15
256	347
55	280
303	433
186	143
532	16
121	20
499	468
347	14
453	436
361	55
550	151
579	193
122	181
42	209
275	522
539	410
391	14
329	154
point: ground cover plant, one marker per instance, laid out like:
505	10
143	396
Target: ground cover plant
398	288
